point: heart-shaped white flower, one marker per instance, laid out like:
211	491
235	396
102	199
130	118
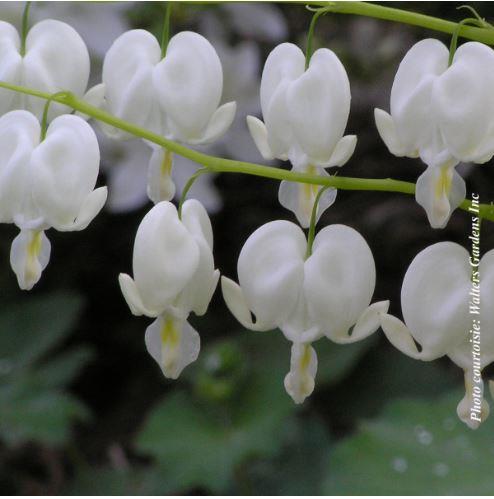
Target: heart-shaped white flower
173	275
444	115
323	295
305	115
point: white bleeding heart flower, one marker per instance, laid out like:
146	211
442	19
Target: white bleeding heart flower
435	300
55	59
177	96
307	298
444	115
46	183
305	115
173	275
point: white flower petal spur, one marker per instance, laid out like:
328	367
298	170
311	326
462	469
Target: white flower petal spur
307	298
174	275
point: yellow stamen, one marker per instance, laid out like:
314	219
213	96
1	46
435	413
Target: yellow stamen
308	193
170	341
33	251
443	183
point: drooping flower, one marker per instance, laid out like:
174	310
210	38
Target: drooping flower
55	59
173	275
45	184
305	115
176	96
444	115
307	298
439	289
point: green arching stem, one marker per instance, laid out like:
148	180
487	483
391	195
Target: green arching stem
187	188
25	28
165	36
454	39
44	119
310	36
221	165
312	225
484	35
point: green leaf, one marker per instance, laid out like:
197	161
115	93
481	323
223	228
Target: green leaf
300	468
32	327
29	412
415	448
64	368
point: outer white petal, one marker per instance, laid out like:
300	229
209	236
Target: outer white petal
464	102
90	207
367	324
270	271
127	75
299	382
188	83
173	344
19	135
401	337
387	130
340	276
95	96
286	62
56	59
29	256
166	257
235	300
434	298
440	190
65	169
11	67
160	183
259	134
219	123
196	219
299	326
299	198
343	151
319	104
132	296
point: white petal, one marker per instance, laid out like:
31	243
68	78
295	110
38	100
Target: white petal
285	62
11	67
318	105
434	298
189	83
65	169
400	336
299	326
367	324
127	75
29	256
132	297
173	344
196	219
464	102
259	134
464	409
343	151
19	135
166	257
299	382
299	198
340	276
219	123
160	183
56	59
440	190
271	284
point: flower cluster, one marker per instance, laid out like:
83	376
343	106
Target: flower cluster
322	285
